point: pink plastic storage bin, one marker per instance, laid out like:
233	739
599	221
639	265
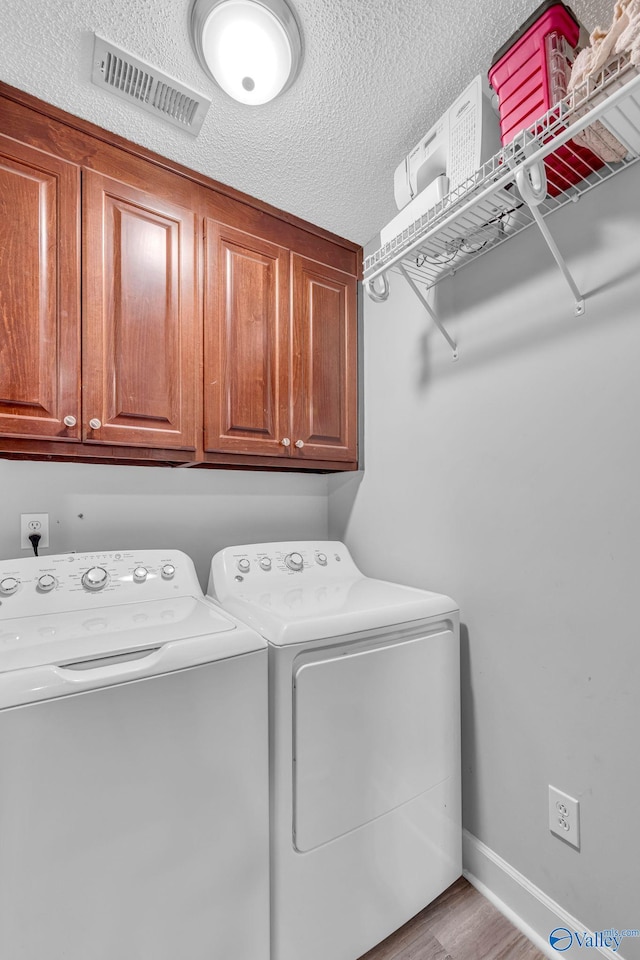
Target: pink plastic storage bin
529	74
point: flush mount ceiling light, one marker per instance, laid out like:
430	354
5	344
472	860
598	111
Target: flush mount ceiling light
251	48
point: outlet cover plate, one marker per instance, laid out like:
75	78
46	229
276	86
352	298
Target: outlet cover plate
34	523
564	816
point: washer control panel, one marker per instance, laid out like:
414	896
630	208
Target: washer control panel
73	581
257	566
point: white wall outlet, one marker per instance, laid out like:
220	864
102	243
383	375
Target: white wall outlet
564	816
34	523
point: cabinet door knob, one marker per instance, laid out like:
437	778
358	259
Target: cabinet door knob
69	421
285	442
299	444
95	424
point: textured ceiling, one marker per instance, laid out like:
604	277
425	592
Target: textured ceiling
375	77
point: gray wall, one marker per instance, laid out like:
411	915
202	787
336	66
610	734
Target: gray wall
511	481
95	507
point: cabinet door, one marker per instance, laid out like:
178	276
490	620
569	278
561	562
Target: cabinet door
246	343
324	388
39	294
139	349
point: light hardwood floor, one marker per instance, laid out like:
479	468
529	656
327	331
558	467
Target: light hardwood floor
460	925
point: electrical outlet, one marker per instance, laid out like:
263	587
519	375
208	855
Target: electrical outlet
34	523
564	816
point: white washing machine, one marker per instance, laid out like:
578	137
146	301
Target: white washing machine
364	743
133	764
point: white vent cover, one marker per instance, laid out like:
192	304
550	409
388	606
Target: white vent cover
136	81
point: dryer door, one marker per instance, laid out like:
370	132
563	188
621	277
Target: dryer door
374	727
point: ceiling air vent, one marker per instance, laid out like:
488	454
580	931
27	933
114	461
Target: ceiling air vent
133	80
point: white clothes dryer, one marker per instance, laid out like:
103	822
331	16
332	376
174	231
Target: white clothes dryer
134	755
364	742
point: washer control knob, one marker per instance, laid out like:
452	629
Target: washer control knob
168	571
244	565
140	574
95	578
265	563
294	561
8	586
321	558
46	583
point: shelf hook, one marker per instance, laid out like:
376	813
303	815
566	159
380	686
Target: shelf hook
378	296
425	303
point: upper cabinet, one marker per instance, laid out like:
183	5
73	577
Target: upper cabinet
39	294
280	348
148	314
246	343
324	362
140	321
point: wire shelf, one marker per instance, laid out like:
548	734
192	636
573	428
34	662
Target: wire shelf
487	209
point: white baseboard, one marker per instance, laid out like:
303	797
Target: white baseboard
524	904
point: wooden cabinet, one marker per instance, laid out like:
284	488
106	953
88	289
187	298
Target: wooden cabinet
150	315
39	294
140	322
139	319
246	343
280	362
324	362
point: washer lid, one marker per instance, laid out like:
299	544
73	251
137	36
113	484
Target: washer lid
85	635
300	613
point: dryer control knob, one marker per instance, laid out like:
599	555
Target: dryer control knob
8	586
95	578
294	561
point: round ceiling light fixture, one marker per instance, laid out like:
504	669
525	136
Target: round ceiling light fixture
251	48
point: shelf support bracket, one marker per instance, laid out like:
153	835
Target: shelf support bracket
557	256
531	182
425	303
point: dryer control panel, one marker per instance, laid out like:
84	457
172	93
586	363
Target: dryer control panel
258	566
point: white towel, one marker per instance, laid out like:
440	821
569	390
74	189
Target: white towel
629	38
622	36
